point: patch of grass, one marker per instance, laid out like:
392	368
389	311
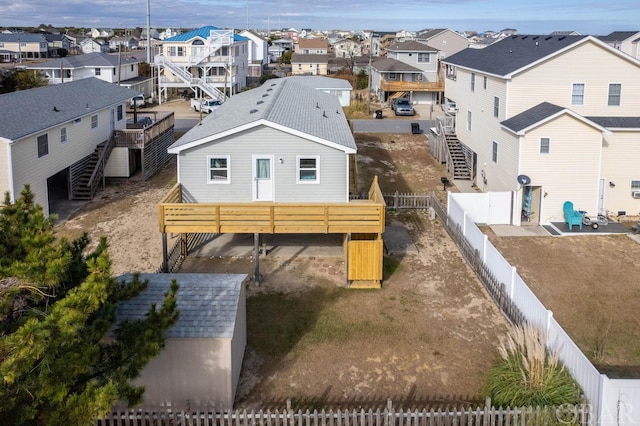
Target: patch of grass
389	266
356	110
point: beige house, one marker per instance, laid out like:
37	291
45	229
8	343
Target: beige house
310	57
48	134
25	45
625	41
552	119
208	61
446	41
200	364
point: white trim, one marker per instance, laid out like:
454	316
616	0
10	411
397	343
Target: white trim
10	168
254	191
579	117
317	169
609	94
257	123
217	182
548	146
584	93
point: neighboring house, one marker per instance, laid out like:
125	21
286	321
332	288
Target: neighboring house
48	133
625	41
200	364
9	56
26	45
124	43
210	61
101	32
312	46
276	159
290	33
378	41
309	64
89	45
258	53
410	70
57	42
107	67
279	47
347	48
168	33
446	41
537	106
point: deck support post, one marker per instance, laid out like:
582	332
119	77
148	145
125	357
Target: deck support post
257	278
164	252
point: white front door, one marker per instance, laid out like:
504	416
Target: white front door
262	178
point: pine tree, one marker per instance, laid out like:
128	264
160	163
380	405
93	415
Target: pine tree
62	358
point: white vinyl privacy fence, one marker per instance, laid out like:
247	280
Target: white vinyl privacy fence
614	401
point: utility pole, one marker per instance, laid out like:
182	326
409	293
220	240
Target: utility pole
369	85
149	32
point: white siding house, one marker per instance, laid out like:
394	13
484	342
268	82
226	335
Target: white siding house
202	358
46	130
557	109
281	142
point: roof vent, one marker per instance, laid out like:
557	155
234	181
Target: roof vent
265	95
547	38
253	111
269	89
260	102
324	114
273	84
536	37
317	106
561	38
525	37
55	109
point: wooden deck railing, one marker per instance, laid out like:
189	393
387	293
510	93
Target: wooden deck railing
138	138
359	216
417	86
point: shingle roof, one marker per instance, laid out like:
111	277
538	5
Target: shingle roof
511	53
202	33
531	116
320	82
282	102
309	58
22	37
618	36
411	46
208	303
88	60
617	122
393	65
427	34
29	111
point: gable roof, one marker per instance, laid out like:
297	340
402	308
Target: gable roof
22	38
309	58
427	34
208	303
393	65
411	46
618	36
87	60
26	112
201	33
313	43
281	103
320	82
540	114
513	53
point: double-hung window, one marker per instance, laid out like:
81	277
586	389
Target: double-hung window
496	106
494	152
615	90
424	58
219	169
545	145
308	169
94	121
43	145
473	81
63	135
469	116
577	94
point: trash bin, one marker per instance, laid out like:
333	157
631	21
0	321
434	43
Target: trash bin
415	128
377	113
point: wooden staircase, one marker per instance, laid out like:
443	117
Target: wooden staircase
461	170
90	171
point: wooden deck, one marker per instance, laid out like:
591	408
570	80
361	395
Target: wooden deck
358	216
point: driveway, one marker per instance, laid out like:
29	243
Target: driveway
390	125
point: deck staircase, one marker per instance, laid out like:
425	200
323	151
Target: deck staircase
87	174
189	80
461	169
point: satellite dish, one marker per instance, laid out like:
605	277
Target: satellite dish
524	180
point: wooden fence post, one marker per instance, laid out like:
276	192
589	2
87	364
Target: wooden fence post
164	253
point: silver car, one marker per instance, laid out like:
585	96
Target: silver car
403	107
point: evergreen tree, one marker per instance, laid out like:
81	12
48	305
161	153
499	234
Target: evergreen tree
62	358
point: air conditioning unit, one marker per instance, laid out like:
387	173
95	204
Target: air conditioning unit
635	194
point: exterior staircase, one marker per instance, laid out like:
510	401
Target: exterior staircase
86	174
461	169
189	80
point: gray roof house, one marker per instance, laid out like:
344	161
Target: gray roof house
560	109
201	362
625	41
281	142
27	45
47	132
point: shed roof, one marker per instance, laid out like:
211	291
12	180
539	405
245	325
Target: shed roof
541	113
25	112
203	33
393	65
208	303
284	103
87	60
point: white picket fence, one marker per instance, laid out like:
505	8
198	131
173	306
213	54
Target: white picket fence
614	401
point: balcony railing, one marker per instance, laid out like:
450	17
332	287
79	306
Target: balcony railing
356	216
414	86
138	138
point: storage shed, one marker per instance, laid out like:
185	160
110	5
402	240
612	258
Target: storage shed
201	362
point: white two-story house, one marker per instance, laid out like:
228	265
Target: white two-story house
258	53
47	134
209	61
552	119
25	45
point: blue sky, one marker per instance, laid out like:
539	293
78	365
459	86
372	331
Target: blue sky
540	17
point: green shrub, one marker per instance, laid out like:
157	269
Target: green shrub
528	374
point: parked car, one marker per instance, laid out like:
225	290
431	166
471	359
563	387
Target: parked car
138	101
403	107
395	101
451	108
207	105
